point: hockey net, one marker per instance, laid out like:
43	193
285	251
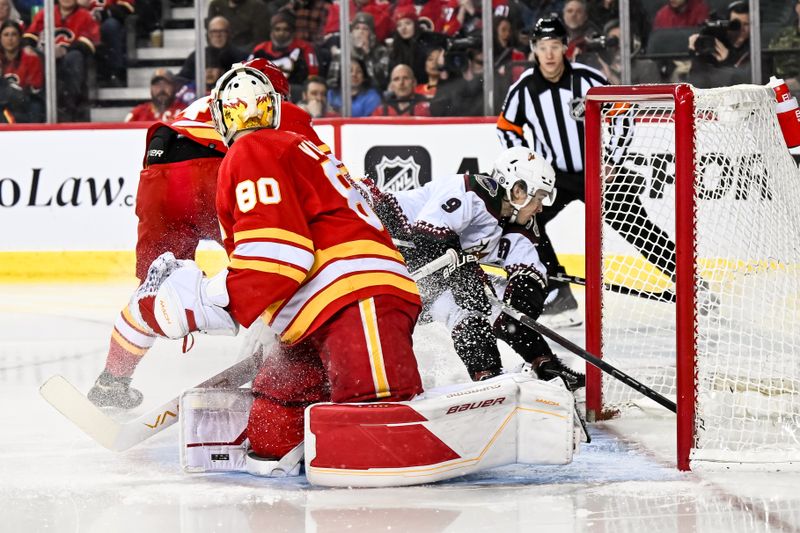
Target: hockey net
694	199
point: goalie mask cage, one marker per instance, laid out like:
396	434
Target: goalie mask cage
707	170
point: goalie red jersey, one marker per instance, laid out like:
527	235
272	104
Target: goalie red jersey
302	242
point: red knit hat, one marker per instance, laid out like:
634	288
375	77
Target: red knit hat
405	12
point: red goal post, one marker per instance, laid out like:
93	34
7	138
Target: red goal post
696	163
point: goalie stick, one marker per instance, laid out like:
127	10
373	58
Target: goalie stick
120	436
585	355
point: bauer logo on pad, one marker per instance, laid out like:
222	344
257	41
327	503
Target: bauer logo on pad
398	168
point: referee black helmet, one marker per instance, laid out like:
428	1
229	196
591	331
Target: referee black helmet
549	28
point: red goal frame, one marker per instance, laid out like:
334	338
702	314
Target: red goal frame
682	96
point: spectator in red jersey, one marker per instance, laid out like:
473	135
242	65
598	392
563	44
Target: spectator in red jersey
77	35
295	57
681	14
401	99
22	78
407	49
435	15
8	12
163	106
379	9
468	16
433	71
315	98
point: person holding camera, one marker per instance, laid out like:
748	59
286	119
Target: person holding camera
548	102
460	89
603	53
22	78
723	45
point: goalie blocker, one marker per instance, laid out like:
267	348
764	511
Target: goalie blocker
434	437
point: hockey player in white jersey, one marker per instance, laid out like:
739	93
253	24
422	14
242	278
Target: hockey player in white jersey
491	218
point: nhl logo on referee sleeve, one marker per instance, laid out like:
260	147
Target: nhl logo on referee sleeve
577	108
398	168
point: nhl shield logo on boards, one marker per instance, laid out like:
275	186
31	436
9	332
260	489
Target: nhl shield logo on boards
398	168
397	174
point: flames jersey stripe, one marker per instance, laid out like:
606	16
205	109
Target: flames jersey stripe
311	308
276	234
270	267
276	251
329	283
369	322
353	249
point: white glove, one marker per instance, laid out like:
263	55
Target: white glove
176	299
188	301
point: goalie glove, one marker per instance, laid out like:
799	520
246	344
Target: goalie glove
176	299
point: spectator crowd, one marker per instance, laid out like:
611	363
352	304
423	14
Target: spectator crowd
407	57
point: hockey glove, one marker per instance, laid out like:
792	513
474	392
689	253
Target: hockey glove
177	299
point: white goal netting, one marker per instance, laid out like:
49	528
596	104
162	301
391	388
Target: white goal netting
747	255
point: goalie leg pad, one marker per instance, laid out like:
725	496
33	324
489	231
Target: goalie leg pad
520	419
213	432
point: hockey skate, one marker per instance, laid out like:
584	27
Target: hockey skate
548	367
561	311
112	391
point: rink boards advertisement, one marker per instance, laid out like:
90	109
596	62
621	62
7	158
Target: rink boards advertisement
67	193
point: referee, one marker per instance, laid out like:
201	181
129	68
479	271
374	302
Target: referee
548	101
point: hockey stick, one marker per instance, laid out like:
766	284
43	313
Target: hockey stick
120	436
662	296
450	257
588	357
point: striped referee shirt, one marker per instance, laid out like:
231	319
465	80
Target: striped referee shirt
547	110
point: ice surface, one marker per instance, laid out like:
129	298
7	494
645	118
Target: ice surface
53	478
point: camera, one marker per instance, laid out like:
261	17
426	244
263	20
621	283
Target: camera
456	55
605	47
598	43
714	29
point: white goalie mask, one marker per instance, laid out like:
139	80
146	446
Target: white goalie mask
244	99
519	164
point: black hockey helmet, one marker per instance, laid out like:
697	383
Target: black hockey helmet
549	27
